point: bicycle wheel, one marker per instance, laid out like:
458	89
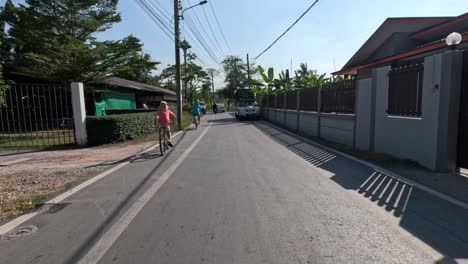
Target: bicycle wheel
162	144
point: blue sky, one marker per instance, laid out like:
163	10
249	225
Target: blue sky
327	36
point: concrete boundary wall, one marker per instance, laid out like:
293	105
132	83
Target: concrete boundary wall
334	127
429	139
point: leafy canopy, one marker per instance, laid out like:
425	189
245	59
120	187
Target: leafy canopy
54	39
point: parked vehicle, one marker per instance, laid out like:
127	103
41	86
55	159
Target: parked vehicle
202	107
245	105
220	108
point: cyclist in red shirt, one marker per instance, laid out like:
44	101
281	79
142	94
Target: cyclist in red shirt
163	117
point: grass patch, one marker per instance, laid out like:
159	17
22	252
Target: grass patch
37	139
29	202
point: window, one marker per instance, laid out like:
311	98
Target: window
405	90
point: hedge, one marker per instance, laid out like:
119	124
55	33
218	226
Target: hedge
128	111
116	128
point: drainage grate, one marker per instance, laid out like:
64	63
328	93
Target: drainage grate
20	232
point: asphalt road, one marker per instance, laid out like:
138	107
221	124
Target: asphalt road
245	192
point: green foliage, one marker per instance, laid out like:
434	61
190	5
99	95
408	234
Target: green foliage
116	128
128	111
307	78
54	39
195	80
303	78
137	66
235	71
3	85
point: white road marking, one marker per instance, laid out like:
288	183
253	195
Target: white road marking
108	239
20	220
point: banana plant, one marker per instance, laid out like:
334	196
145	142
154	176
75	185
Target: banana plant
285	81
268	78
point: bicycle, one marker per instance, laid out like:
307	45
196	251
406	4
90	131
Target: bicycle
163	140
196	121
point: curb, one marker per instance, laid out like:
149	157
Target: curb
420	186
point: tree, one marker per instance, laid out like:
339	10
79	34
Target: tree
138	66
235	74
53	39
3	84
306	78
193	75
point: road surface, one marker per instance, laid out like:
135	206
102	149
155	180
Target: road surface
244	192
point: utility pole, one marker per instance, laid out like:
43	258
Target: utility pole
177	64
212	86
248	71
184	45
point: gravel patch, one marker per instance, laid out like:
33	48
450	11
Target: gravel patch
21	191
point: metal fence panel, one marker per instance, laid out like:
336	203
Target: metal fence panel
36	115
291	100
271	101
339	97
280	100
405	90
309	99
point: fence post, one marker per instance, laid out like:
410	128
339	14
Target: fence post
276	96
284	108
356	94
319	110
79	113
298	108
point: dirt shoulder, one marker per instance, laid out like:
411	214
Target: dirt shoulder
29	178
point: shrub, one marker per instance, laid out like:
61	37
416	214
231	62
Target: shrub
128	111
116	128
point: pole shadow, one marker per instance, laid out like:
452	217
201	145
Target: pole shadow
439	223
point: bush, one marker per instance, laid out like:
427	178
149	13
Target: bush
117	128
128	111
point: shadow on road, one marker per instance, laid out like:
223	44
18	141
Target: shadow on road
439	223
101	229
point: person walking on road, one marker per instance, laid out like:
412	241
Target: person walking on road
163	118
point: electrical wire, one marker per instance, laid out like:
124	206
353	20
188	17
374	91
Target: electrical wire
190	22
202	43
212	32
205	35
203	28
156	14
219	26
155	18
150	8
295	22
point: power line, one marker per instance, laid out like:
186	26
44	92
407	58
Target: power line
203	28
211	29
190	21
219	26
152	11
155	18
202	42
193	41
161	10
297	20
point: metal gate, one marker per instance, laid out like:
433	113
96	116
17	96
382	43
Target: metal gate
36	115
463	123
